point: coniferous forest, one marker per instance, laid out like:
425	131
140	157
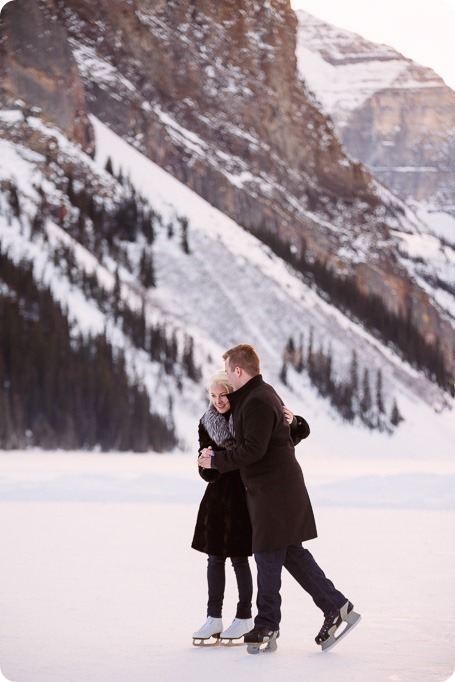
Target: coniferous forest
59	389
357	396
370	310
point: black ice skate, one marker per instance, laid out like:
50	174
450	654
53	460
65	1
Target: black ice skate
258	637
332	622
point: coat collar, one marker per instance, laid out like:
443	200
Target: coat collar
236	396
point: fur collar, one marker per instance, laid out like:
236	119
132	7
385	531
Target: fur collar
219	429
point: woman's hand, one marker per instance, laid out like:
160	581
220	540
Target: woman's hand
288	414
205	458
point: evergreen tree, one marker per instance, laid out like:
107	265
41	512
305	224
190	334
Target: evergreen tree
365	401
379	393
146	270
14	200
188	360
395	416
184	236
354	375
300	356
108	167
284	374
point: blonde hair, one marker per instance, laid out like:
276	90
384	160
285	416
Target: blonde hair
220	379
245	356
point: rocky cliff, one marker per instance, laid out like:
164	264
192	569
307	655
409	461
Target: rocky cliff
391	113
210	91
37	67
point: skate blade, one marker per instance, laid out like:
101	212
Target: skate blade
262	647
206	641
352	619
231	641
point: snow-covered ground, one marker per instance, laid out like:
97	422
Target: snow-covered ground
99	582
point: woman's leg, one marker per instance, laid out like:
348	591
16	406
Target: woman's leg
244	585
216	579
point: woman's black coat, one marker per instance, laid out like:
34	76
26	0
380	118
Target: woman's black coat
223	524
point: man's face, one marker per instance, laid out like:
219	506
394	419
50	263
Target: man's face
232	375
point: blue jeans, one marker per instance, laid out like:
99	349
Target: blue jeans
301	565
216	578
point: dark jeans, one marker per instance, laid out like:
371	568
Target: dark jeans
301	565
216	578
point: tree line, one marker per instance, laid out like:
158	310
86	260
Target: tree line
369	309
59	389
359	395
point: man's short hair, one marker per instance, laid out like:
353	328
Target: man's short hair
244	356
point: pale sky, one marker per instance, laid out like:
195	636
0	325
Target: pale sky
423	30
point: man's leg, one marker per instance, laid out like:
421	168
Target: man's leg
269	566
302	566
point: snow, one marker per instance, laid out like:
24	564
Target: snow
344	70
101	583
347	86
212	294
106	75
98	545
439	223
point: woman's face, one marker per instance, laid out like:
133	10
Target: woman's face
218	397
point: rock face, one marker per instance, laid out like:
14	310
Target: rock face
37	67
210	91
394	115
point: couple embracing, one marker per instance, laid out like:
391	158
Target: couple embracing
256	502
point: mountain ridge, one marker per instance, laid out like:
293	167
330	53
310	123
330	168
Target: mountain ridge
163	270
392	113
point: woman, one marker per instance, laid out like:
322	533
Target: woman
223	527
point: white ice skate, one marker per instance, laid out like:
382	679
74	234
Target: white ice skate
237	629
209	633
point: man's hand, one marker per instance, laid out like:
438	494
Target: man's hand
205	458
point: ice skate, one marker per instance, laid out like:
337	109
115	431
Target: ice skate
327	637
209	633
237	629
261	640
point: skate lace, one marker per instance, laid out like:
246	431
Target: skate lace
329	621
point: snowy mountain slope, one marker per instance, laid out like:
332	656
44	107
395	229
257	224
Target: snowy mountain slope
344	69
234	122
229	288
232	289
223	251
395	115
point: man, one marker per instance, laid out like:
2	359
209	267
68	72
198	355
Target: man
278	503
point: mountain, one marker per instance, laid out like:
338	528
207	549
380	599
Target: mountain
157	275
393	114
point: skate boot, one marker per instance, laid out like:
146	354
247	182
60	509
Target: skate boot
209	633
332	622
237	629
257	637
